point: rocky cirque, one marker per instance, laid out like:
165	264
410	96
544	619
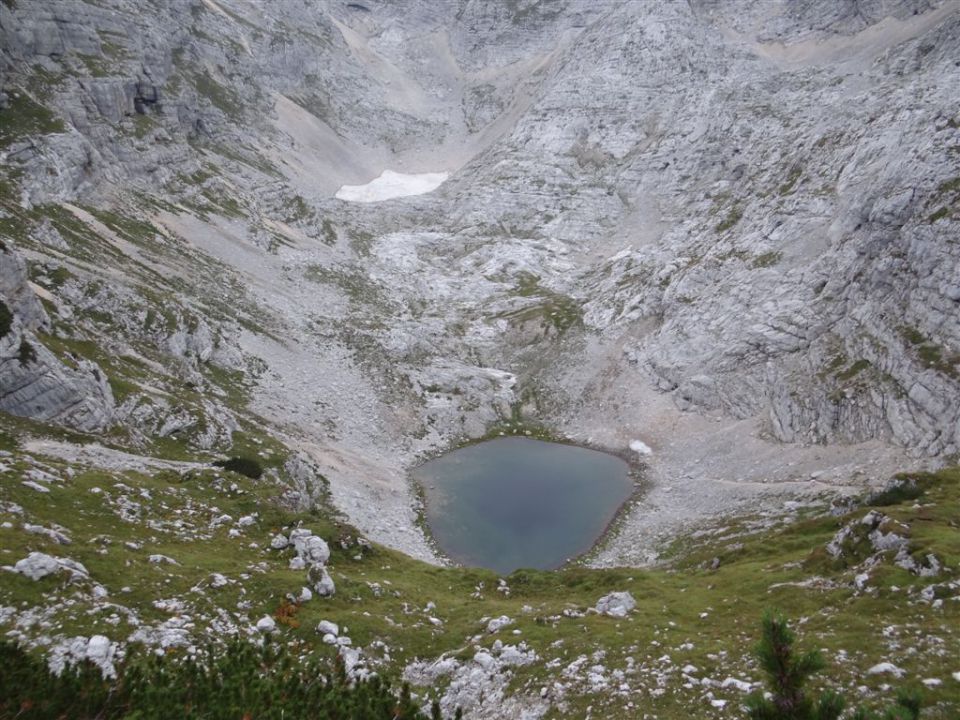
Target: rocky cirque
730	232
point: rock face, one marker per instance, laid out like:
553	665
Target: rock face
33	381
307	485
746	211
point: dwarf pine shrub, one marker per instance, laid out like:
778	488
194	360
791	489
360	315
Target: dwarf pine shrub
242	680
248	467
787	675
6	319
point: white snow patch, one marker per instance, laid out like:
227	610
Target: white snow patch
392	184
640	447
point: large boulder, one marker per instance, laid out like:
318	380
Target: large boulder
38	565
322	583
314	550
616	604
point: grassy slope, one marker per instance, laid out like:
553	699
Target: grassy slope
705	618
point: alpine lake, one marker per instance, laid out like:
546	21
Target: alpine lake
515	502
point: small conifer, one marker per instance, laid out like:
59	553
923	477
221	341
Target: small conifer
787	675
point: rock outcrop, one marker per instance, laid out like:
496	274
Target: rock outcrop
35	383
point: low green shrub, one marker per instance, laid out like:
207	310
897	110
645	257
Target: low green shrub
242	680
248	467
896	494
26	354
6	319
788	674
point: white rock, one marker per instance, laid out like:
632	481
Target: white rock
616	604
300	532
314	550
512	655
498	623
266	624
100	650
326	627
741	685
484	659
55	535
886	667
932	682
324	585
37	565
279	541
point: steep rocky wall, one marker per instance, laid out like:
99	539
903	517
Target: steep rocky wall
33	382
754	202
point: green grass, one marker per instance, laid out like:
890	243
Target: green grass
939	214
947	196
96	66
353	281
932	355
551	311
132	229
758	569
24	117
296	210
221	97
768	259
788	185
855	369
732	218
143	125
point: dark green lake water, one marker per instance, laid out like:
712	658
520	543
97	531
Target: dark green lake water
518	503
